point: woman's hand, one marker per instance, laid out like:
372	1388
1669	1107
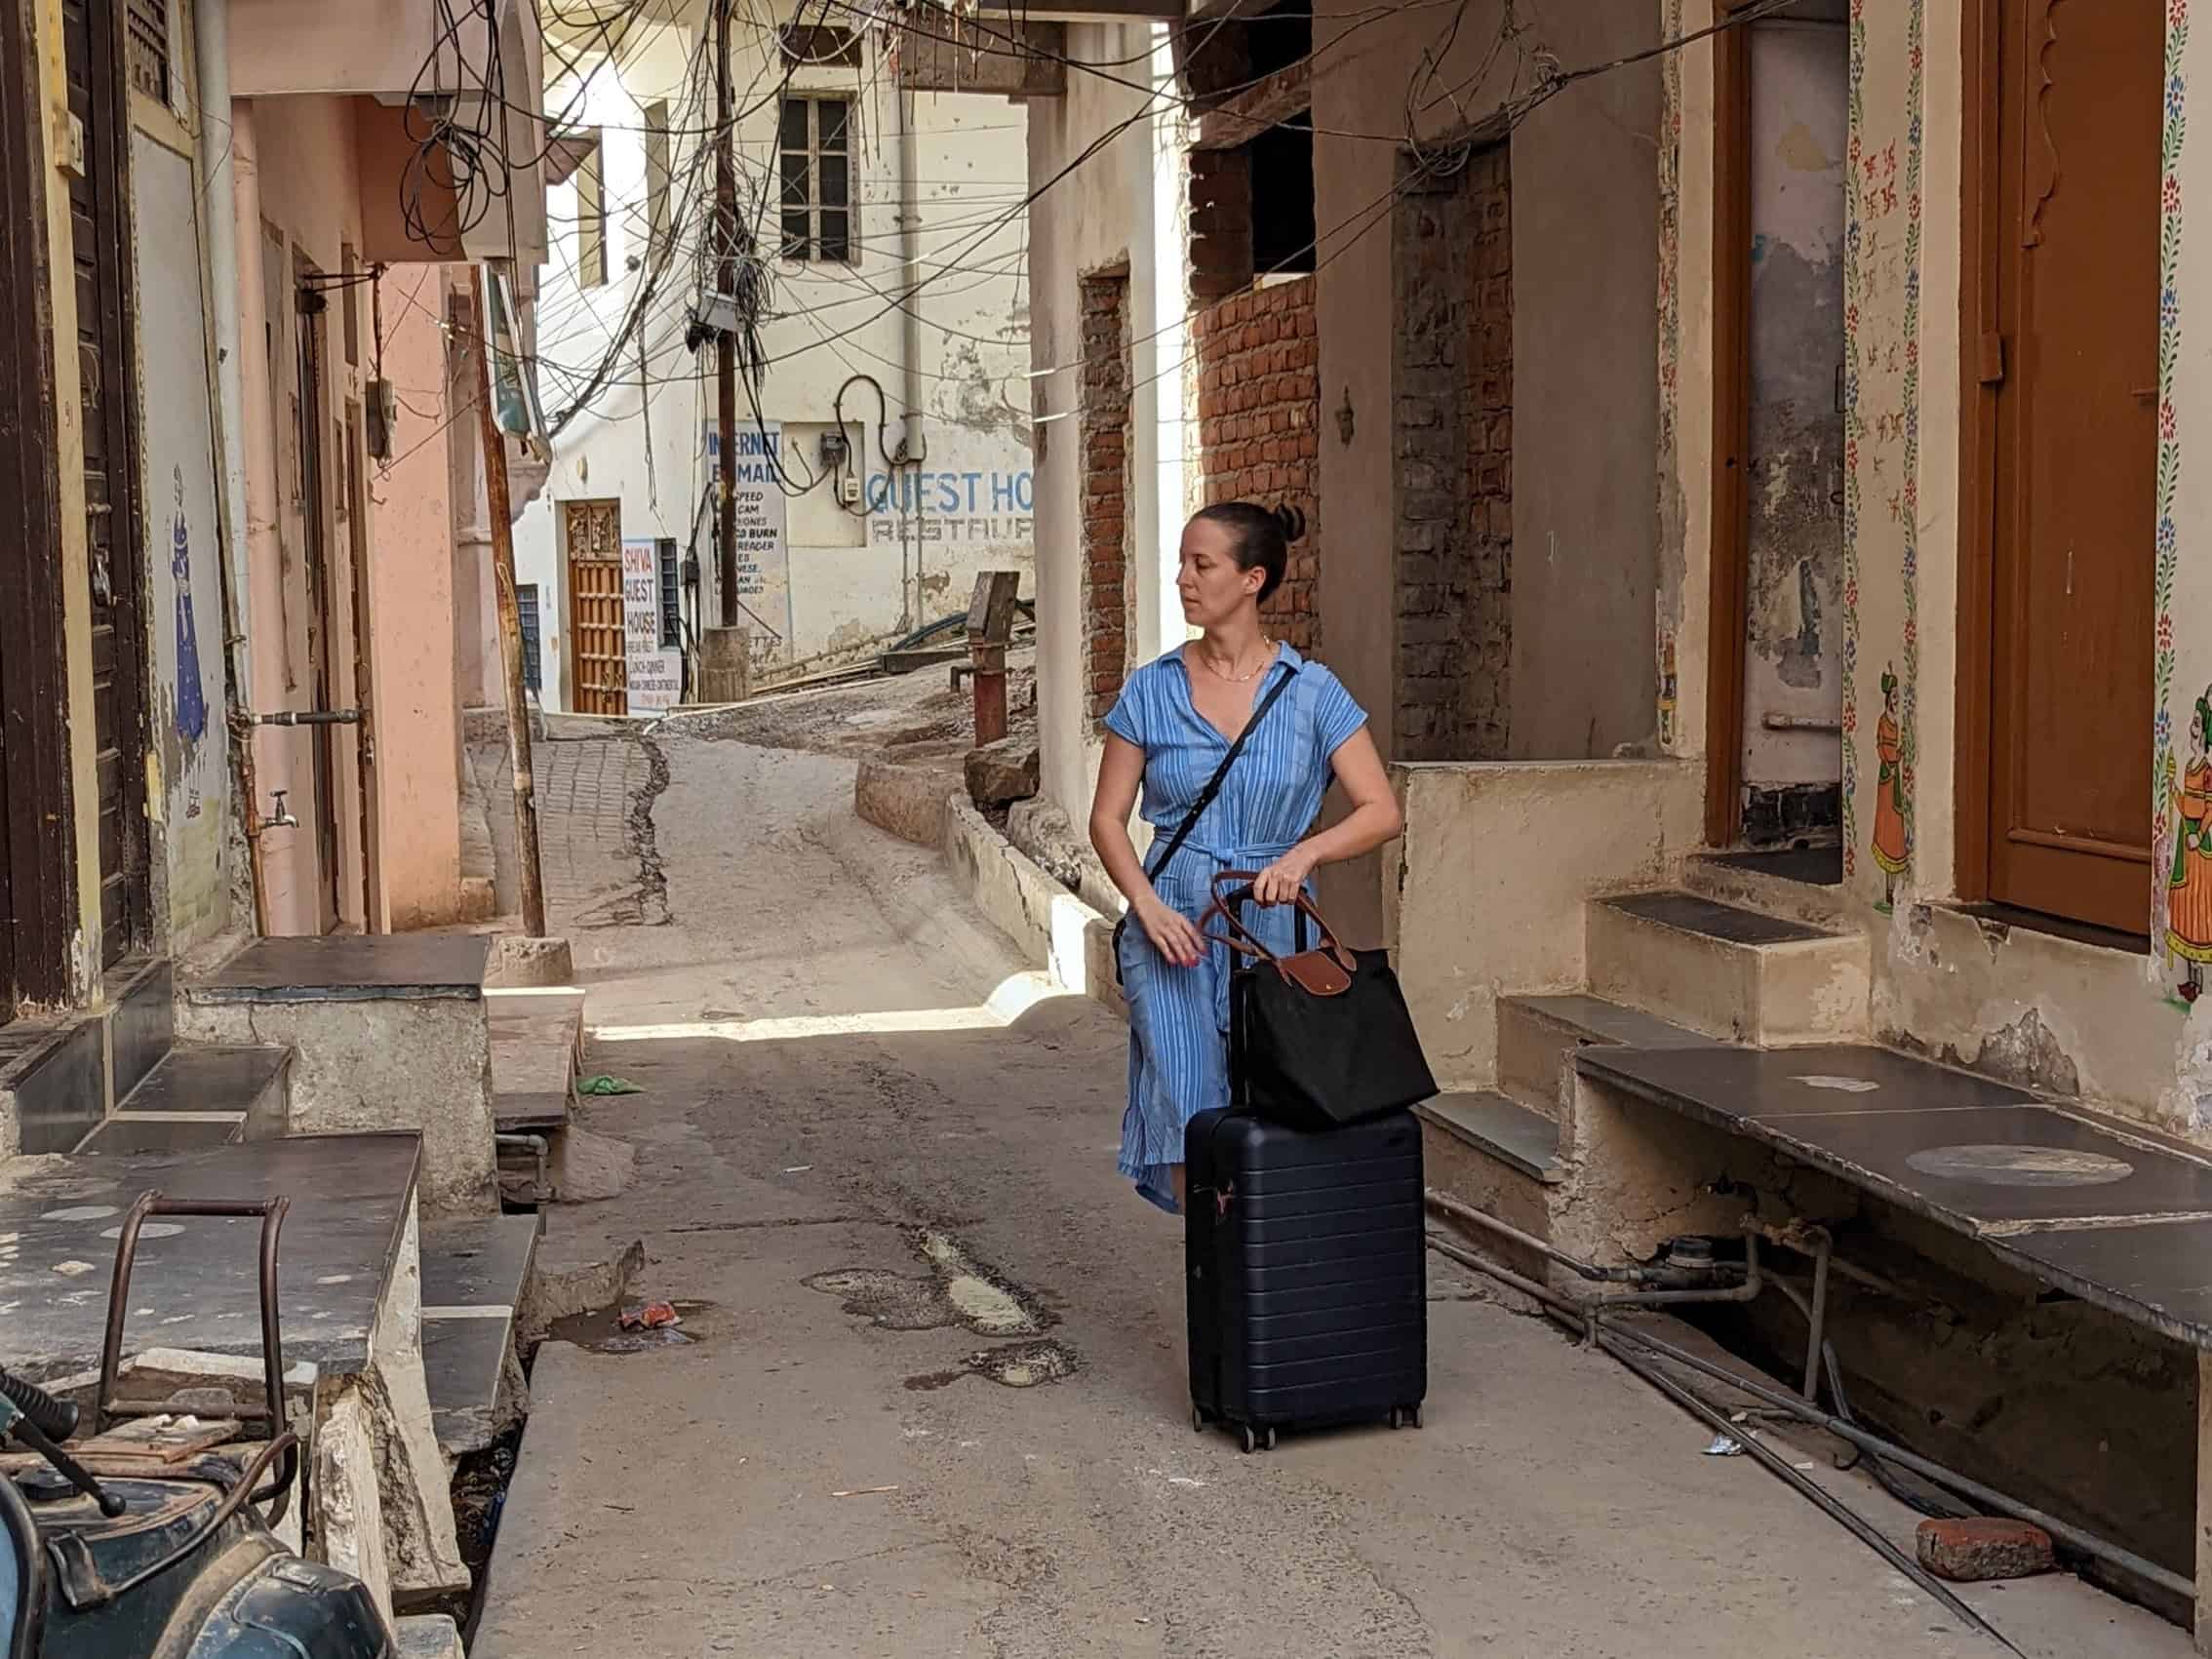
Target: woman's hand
1172	934
1282	880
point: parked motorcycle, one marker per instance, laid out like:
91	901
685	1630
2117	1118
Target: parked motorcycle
102	1560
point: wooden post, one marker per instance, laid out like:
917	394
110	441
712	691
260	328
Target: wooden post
2203	1641
511	620
990	625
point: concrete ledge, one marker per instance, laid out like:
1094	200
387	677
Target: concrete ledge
908	802
1067	938
1471	917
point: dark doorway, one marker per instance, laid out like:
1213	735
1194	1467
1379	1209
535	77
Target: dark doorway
315	545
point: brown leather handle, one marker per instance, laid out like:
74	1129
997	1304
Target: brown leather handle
1242	939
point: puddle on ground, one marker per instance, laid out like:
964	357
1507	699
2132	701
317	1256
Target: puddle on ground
600	1332
956	1291
1018	1364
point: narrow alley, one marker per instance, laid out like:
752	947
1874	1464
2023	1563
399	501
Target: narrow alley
934	1400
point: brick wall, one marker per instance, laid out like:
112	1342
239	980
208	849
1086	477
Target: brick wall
1108	594
1260	428
1452	448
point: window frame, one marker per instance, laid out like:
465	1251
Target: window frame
813	247
590	178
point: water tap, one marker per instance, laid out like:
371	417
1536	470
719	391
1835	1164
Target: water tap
280	819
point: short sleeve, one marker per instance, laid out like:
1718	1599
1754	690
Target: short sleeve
1125	719
1335	715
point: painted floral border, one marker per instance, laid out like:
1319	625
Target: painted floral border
2163	819
1854	425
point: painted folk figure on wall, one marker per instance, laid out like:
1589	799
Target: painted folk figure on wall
2188	897
1892	842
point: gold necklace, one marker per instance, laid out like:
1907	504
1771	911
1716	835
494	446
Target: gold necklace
1241	679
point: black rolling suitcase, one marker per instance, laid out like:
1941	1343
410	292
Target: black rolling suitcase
1305	1273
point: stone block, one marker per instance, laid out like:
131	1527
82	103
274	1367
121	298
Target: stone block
1003	771
516	958
909	802
1982	1547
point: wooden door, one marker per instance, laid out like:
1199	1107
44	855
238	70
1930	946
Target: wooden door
314	510
38	890
102	253
2075	232
598	648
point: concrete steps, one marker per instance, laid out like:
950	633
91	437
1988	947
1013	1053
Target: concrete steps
537	1048
1739	976
1539	1035
427	1636
199	1094
1502	1130
474	1275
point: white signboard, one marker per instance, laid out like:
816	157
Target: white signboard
641	618
763	556
656	682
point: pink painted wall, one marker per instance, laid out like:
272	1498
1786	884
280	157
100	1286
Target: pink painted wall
309	175
298	195
417	704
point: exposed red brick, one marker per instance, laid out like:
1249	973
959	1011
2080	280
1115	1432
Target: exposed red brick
1982	1547
1104	435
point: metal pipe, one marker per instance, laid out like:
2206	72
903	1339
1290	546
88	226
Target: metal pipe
1816	1317
1461	1211
2073	1537
1747	1291
1778	1466
309	717
1513	1280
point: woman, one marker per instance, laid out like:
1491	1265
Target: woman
1175	721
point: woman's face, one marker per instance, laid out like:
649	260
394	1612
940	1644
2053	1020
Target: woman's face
1211	585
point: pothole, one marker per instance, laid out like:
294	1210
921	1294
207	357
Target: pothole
600	1329
956	1291
1018	1364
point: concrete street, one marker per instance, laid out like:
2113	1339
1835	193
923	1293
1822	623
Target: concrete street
934	1403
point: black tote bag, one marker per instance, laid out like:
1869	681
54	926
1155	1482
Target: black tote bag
1319	1037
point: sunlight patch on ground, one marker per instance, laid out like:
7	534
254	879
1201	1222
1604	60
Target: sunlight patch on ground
1008	1002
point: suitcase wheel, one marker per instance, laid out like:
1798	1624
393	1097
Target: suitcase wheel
1198	1419
1257	1439
1405	1416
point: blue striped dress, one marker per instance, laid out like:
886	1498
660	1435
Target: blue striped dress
1179	1016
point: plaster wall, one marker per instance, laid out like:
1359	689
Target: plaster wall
417	699
188	774
1472	917
1097	218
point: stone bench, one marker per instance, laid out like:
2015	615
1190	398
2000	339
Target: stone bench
2113	1216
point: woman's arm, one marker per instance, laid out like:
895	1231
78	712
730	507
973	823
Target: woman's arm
1374	819
1121	770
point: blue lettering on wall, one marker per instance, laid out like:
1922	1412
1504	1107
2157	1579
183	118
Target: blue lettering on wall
950	494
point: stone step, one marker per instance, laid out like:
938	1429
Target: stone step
199	1094
1503	1158
1725	971
1538	1036
427	1636
537	1052
1518	1136
474	1277
1799	885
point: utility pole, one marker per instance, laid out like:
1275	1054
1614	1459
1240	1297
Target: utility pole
510	618
724	652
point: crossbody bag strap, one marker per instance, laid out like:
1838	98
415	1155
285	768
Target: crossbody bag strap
1282	680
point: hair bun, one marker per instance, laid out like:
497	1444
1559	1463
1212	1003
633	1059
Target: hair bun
1292	520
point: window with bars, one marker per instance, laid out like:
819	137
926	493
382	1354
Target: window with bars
592	218
671	596
526	610
817	179
656	173
148	47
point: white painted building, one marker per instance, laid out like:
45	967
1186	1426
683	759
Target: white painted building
851	545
